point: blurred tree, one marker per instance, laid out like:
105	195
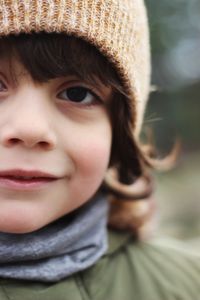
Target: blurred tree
175	38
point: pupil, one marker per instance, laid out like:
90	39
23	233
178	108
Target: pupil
76	94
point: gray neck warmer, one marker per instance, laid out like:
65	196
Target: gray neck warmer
60	249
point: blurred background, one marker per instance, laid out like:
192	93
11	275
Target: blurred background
174	110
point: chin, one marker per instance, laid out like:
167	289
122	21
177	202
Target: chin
20	226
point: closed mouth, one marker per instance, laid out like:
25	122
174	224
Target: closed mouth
18	174
25	180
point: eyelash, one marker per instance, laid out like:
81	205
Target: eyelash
86	92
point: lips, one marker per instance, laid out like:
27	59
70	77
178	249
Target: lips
23	179
26	174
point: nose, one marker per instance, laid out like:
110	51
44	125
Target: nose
28	124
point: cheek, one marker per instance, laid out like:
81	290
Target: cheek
91	156
93	159
87	144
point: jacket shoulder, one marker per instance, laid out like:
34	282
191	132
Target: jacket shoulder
168	267
154	270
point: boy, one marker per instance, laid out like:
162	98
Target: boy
74	79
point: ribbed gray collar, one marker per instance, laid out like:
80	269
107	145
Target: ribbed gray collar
58	250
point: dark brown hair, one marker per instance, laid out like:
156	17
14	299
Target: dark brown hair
49	55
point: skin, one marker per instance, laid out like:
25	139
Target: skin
41	129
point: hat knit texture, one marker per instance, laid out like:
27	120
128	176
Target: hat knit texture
118	28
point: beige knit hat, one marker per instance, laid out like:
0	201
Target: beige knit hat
118	28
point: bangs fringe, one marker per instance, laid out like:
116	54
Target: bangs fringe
49	55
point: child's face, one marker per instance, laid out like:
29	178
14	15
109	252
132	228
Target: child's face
43	129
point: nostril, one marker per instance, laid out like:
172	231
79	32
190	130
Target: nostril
13	141
45	145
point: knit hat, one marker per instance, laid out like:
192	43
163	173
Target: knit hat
118	28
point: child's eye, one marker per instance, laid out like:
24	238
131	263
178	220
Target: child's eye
79	94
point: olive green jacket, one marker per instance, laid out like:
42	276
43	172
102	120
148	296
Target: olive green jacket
155	270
